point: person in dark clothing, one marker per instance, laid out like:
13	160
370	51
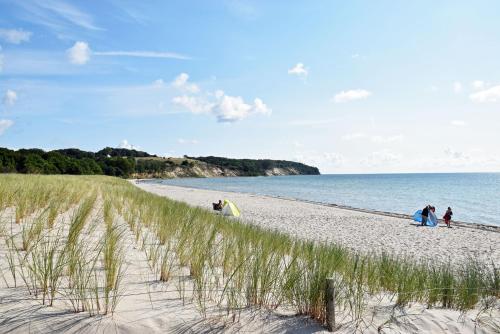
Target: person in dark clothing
217	206
447	217
425	215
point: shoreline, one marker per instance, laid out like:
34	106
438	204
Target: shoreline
361	231
456	223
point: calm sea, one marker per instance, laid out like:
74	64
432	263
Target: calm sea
474	197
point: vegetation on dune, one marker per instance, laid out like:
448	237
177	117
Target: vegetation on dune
123	162
252	167
113	162
229	265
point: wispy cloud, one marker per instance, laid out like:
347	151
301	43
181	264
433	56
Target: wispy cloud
379	139
386	139
15	36
313	122
80	54
351	95
10	97
4	125
457	87
477	84
353	136
381	158
242	8
142	54
57	15
323	160
457	122
183	141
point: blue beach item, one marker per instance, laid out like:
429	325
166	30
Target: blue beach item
432	220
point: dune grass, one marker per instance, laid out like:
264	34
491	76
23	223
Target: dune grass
229	264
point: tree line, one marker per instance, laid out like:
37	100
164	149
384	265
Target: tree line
108	161
124	163
257	167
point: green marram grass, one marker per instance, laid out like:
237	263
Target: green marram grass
228	264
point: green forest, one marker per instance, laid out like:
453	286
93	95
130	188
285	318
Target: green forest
124	163
253	167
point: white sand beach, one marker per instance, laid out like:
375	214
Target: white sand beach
360	231
147	305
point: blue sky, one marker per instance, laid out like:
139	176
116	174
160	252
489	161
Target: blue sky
348	86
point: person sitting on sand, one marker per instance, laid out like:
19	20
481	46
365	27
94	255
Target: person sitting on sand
447	217
217	206
425	215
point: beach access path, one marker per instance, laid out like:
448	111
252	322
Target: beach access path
364	232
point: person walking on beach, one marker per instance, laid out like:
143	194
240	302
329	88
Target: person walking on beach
447	217
425	215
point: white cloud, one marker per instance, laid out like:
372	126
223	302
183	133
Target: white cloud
457	87
158	83
322	160
375	138
231	109
386	139
351	95
242	9
299	70
224	107
354	56
79	53
353	136
181	83
457	122
260	107
56	15
125	144
456	155
10	97
183	141
1	61
15	36
381	158
298	144
194	104
477	84
488	95
234	108
142	54
4	125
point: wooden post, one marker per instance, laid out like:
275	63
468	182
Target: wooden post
330	304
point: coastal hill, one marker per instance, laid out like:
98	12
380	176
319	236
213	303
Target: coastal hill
138	164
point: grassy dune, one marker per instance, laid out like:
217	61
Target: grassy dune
228	264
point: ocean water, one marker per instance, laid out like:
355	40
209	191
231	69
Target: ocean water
474	197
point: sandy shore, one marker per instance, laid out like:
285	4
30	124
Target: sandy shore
148	305
360	231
